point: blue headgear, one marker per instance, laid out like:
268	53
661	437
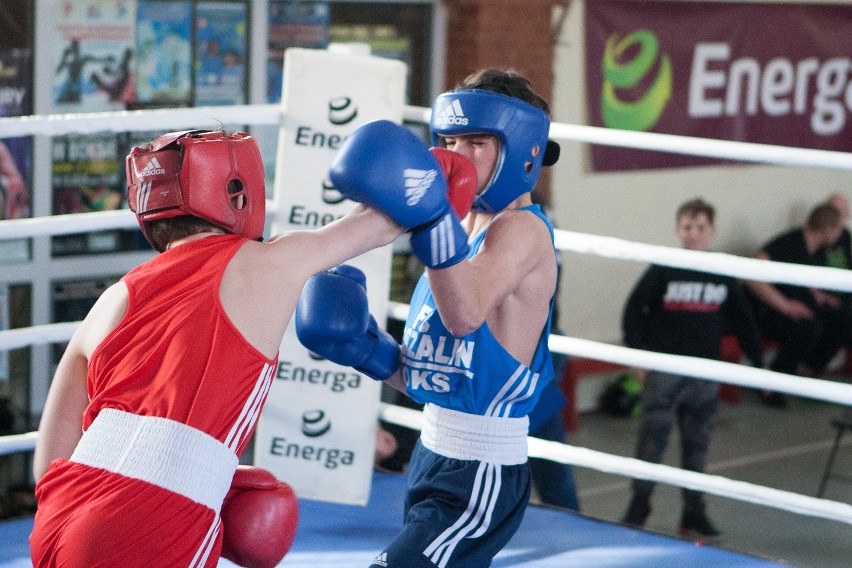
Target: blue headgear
521	128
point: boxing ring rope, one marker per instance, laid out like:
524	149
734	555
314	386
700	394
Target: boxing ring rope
831	278
271	114
608	463
709	369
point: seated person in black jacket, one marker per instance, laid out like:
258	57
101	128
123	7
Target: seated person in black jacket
839	254
810	324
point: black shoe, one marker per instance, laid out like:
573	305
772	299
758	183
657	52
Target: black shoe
637	513
695	525
773	399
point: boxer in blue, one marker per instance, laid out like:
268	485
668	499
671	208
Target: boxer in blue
474	349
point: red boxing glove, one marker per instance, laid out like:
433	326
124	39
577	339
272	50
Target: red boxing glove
259	518
461	179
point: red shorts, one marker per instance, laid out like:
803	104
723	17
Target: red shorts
138	491
90	517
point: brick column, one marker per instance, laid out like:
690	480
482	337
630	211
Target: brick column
506	34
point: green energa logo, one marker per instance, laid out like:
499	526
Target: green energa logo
619	74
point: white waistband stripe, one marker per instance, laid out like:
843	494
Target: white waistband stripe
465	436
162	452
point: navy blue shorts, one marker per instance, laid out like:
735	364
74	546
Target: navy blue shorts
458	513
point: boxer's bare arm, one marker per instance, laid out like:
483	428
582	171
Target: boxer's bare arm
397	381
508	284
263	282
61	423
362	230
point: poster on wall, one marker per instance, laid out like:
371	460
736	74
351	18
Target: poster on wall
4	325
385	40
700	69
164	54
221	53
292	24
16	89
15	153
93	55
87	176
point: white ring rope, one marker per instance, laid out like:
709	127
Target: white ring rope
723	149
710	369
716	262
139	120
18	443
719	371
697	367
185	118
37	335
74	223
67	224
196	117
608	463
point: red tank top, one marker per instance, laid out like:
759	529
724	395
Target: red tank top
176	354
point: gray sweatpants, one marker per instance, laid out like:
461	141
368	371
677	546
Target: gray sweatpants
690	402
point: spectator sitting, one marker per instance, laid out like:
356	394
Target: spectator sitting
810	324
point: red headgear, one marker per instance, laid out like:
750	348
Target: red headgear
209	174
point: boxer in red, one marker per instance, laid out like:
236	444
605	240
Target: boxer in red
160	388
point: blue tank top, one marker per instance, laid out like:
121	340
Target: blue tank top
474	373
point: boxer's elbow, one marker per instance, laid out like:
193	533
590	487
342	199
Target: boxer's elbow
462	322
462	308
461	330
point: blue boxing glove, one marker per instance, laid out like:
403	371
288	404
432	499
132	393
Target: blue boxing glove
332	320
386	166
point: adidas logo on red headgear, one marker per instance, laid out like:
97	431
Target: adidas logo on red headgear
152	168
451	114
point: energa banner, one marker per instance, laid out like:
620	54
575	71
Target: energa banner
317	431
771	73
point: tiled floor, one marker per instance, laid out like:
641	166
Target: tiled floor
784	449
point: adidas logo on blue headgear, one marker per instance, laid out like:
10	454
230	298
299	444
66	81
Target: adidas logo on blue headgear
452	114
521	128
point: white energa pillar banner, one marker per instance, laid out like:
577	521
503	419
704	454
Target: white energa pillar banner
317	431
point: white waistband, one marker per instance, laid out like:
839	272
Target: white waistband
466	436
162	452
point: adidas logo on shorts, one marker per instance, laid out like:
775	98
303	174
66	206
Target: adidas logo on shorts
381	559
416	184
451	114
152	168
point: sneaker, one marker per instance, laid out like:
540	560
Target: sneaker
695	525
773	399
637	513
